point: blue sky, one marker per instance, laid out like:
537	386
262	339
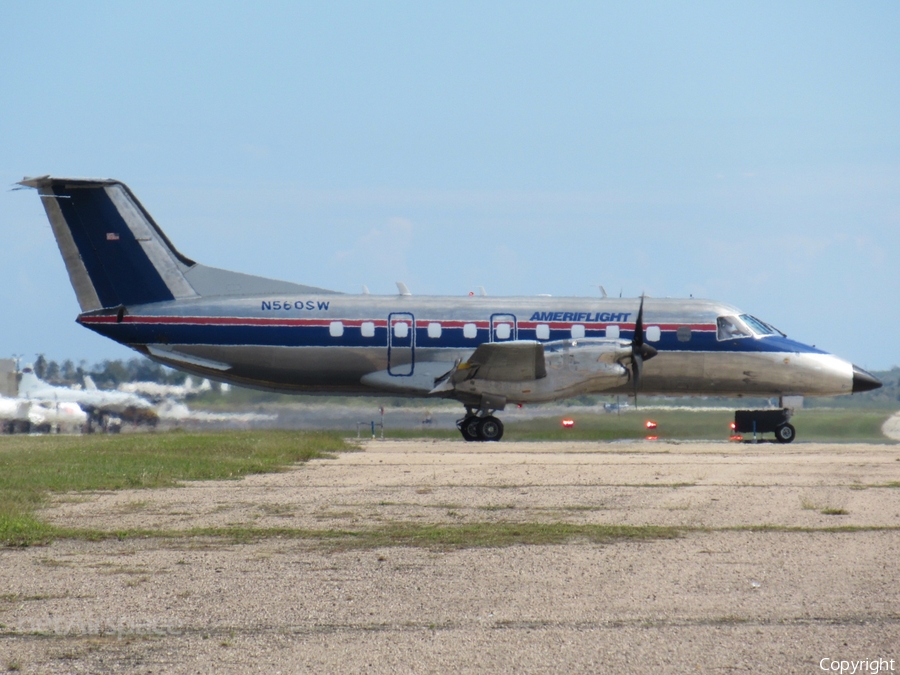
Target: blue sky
747	152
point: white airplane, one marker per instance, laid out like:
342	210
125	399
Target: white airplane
63	416
22	416
158	392
99	403
14	415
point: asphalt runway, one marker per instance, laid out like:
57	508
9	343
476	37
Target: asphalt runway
787	561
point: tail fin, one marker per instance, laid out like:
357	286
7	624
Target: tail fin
114	252
116	255
30	385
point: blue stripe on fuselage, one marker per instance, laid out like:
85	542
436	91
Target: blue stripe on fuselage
451	337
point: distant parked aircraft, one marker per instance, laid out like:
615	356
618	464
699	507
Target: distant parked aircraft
100	404
63	416
19	415
157	392
14	415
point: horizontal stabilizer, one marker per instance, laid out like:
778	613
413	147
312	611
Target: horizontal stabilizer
187	359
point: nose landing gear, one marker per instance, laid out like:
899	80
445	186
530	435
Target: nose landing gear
480	426
765	421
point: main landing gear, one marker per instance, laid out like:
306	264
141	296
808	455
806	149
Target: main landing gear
480	426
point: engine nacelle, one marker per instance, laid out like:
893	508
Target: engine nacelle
573	367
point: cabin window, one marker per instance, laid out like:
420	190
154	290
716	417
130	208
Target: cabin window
612	332
336	329
367	329
470	330
730	328
684	333
401	330
653	333
434	330
577	331
503	331
542	331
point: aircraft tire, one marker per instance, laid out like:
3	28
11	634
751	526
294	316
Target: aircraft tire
469	428
490	429
785	433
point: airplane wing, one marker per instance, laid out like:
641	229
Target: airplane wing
519	361
516	361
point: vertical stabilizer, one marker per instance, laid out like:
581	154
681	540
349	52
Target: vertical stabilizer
31	386
114	252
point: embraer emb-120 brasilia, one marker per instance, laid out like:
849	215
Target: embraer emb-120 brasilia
134	287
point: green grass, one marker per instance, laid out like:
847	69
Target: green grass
818	424
822	424
31	468
469	535
414	535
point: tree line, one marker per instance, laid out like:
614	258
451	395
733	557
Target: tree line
106	374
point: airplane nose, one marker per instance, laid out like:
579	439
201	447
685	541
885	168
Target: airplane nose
863	381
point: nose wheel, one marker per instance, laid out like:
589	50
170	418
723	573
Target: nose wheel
480	428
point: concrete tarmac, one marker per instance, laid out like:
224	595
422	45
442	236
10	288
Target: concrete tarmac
788	561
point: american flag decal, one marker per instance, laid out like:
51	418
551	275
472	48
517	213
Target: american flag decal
112	236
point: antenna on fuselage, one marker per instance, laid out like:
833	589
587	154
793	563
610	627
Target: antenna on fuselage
482	292
365	290
603	290
402	288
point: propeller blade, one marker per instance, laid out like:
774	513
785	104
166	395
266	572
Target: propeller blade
638	339
637	368
640	351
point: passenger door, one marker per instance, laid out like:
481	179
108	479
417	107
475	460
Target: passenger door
503	327
401	344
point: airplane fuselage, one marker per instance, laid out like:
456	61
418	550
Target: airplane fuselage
330	343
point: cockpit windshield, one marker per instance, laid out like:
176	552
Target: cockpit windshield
759	328
731	328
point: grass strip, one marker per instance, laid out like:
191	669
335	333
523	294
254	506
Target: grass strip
814	424
469	535
31	468
448	537
410	535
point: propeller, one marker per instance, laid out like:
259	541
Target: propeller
640	351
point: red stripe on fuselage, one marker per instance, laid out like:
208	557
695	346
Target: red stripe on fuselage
380	323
